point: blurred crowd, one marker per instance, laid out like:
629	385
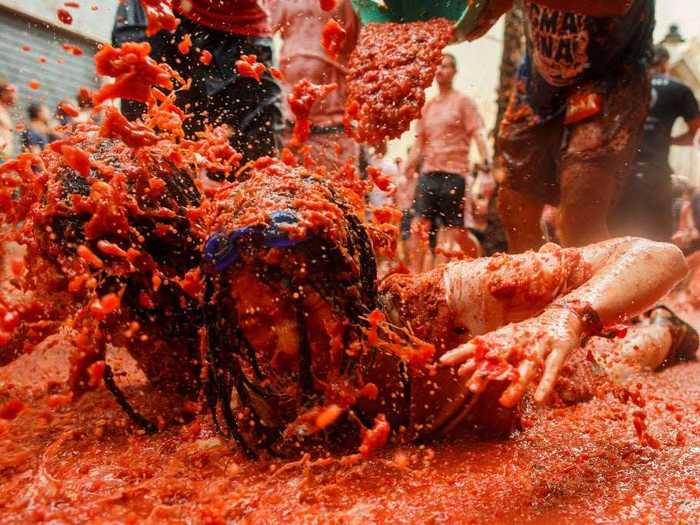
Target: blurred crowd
447	187
41	125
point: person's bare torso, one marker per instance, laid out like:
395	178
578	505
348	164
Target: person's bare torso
449	123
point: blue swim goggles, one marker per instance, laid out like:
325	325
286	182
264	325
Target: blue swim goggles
221	249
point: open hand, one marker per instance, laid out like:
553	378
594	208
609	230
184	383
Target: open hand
519	353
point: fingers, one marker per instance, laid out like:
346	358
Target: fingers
467	368
553	365
478	383
459	355
514	393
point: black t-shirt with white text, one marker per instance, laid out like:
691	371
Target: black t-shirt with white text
670	100
566	47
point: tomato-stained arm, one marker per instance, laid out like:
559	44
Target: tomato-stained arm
619	279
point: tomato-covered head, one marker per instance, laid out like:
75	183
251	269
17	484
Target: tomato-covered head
290	276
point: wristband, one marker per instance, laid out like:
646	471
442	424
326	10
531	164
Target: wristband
589	318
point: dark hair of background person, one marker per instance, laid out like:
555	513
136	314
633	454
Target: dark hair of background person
452	58
33	110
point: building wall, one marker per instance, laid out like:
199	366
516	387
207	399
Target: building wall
57	80
92	24
34	23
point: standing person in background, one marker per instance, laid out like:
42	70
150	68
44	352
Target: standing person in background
646	205
85	105
219	93
573	126
300	24
449	124
8	98
39	131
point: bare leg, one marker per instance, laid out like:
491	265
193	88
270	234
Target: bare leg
644	349
458	241
418	255
521	218
587	192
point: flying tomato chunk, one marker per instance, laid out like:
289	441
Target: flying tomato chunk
276	73
68	109
248	66
333	38
64	16
328	5
185	44
380	179
73	50
303	97
205	58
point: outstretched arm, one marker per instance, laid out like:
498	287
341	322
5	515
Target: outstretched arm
623	278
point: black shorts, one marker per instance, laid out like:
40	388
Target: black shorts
219	94
537	143
440	198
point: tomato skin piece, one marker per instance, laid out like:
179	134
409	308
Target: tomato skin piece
33	84
11	409
185	44
333	38
380	179
89	257
68	109
328	5
73	50
301	100
276	73
77	159
248	66
206	57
